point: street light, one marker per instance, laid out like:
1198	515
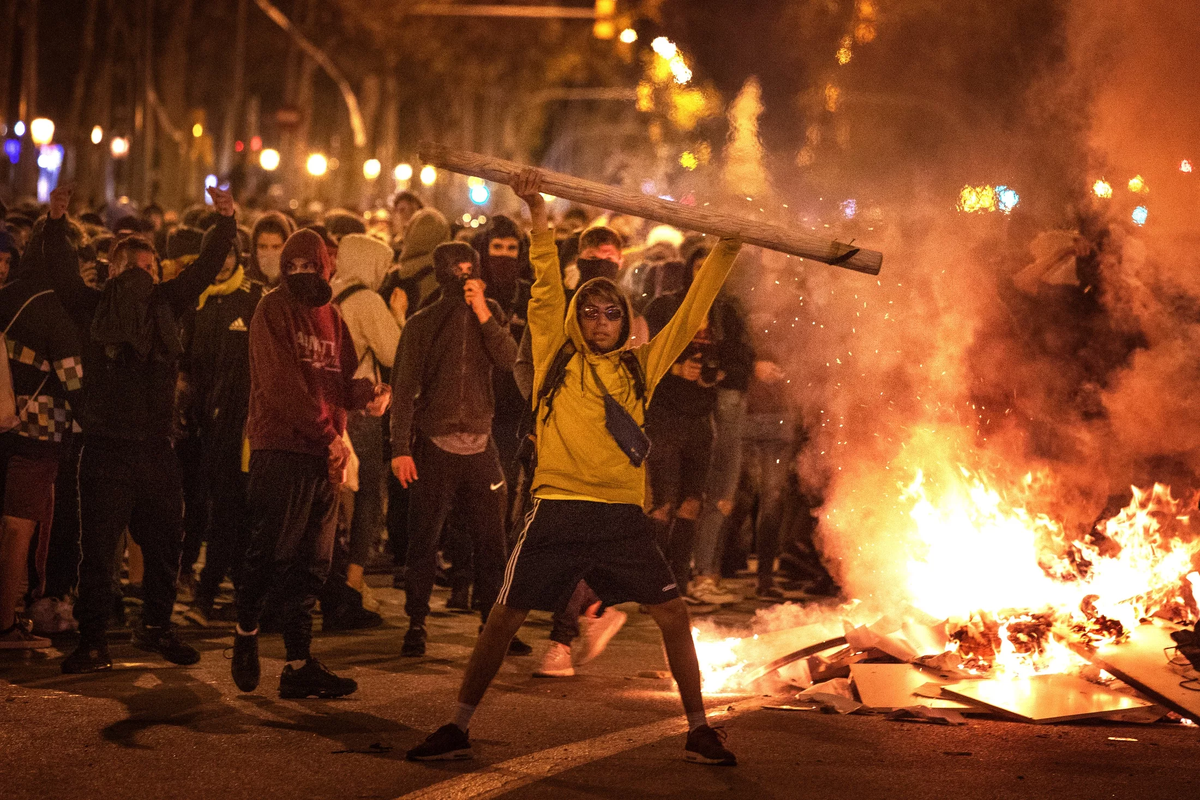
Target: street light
41	130
97	135
404	172
317	165
428	175
197	130
372	168
269	159
629	36
19	129
119	147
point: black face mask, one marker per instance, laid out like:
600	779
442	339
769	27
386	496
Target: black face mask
309	288
596	268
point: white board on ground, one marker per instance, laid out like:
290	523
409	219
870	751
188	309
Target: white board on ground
1141	661
1044	698
891	686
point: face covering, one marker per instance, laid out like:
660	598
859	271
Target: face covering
500	273
596	268
269	264
309	288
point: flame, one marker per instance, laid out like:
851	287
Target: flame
720	660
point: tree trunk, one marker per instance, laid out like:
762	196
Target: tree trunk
234	109
173	72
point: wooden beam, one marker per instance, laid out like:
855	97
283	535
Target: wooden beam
688	218
524	12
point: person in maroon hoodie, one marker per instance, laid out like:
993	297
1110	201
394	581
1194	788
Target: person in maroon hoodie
302	364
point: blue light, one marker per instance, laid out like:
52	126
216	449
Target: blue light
1139	215
50	157
12	149
1006	198
480	194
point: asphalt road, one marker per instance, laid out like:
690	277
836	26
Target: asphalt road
152	730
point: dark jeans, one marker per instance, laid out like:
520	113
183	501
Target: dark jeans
195	499
366	435
761	496
62	562
474	486
293	519
135	485
228	532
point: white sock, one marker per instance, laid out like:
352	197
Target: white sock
462	717
241	632
696	719
297	664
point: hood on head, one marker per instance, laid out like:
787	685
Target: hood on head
573	330
363	259
447	257
426	230
309	245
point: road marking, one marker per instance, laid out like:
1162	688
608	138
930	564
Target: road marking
498	779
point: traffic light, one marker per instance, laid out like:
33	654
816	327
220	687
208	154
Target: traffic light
605	27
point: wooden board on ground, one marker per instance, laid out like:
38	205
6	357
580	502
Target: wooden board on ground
892	686
1045	698
1141	661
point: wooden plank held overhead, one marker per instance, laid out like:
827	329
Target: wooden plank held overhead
690	218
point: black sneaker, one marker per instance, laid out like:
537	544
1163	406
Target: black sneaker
414	642
350	617
244	666
518	648
164	641
447	743
706	745
313	680
88	657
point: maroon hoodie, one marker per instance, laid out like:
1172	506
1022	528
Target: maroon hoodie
302	364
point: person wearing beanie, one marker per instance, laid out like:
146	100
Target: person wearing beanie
216	371
362	262
339	223
414	276
128	474
183	245
266	244
302	384
587	522
441	431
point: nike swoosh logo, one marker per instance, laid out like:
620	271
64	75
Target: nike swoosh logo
496	486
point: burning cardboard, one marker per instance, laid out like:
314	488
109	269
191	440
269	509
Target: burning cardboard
1143	661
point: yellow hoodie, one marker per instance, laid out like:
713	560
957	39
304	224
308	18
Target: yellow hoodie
576	455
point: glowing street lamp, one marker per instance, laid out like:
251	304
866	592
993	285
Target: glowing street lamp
97	135
403	172
317	165
119	147
41	130
629	36
268	159
428	175
372	168
197	130
19	129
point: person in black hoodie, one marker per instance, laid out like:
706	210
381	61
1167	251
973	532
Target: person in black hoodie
128	474
44	360
441	430
217	369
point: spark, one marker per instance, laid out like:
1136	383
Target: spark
1102	189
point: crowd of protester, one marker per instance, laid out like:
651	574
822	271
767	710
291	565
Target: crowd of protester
379	422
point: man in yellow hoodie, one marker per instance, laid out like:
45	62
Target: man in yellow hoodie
587	521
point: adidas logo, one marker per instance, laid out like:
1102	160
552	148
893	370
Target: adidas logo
238	325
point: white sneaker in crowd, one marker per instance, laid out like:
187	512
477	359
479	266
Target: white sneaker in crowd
556	663
595	634
706	589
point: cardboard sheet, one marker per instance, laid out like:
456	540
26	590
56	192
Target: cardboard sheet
1045	698
892	686
1141	661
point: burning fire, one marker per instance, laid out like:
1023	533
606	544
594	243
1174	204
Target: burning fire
1014	587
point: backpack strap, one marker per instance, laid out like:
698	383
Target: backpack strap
348	292
555	375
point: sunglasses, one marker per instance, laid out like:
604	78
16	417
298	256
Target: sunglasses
612	313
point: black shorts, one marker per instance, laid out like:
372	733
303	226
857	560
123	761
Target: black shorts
609	545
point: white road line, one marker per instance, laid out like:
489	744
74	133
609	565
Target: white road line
507	776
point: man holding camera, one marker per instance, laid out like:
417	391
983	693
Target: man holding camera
441	431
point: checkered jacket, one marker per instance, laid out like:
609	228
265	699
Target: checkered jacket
44	358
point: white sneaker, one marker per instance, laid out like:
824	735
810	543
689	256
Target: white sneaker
556	663
20	639
706	590
595	634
